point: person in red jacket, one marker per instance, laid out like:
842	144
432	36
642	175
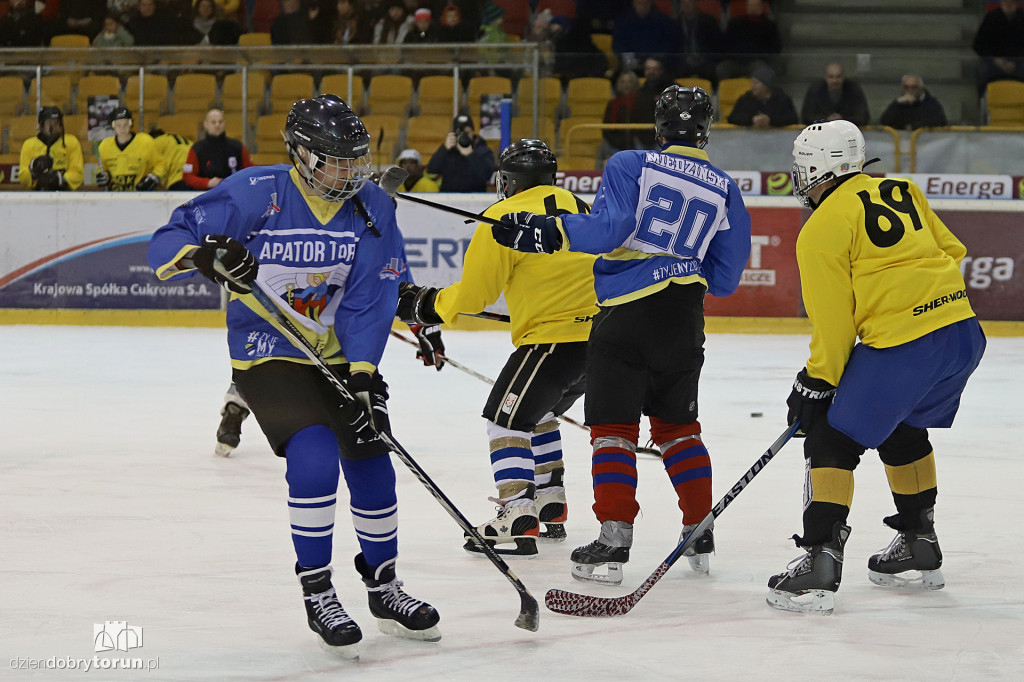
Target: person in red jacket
214	157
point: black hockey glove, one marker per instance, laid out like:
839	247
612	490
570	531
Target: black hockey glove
51	181
808	402
431	350
102	178
368	415
528	232
416	305
234	259
149	182
40	164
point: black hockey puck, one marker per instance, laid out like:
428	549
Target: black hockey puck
757	414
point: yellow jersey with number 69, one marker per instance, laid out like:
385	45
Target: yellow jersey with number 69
878	264
129	164
550	298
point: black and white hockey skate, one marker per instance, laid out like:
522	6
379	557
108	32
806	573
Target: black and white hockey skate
396	612
810	582
337	632
699	553
553	508
610	550
229	433
912	559
516	524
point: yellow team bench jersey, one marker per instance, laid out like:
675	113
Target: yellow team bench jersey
132	163
876	263
66	154
550	298
172	149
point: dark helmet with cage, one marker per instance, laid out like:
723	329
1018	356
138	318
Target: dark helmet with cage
525	164
50	134
684	114
329	146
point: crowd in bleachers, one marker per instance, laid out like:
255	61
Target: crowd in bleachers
728	47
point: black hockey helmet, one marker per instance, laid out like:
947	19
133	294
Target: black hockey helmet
120	113
525	164
685	114
324	134
50	114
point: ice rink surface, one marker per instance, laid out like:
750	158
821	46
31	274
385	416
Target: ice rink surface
113	508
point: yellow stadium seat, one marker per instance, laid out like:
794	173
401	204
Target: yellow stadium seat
390	95
437	96
268	158
550	96
231	93
384	132
583	142
337	84
194	93
56	92
78	125
702	83
254	39
729	90
19	129
90	86
486	85
268	134
577	163
588	96
233	125
603	42
186	125
522	127
69	40
154	91
426	133
1005	102
12	95
288	88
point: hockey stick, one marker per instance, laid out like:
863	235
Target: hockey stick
393	178
486	315
529	616
488	380
572	604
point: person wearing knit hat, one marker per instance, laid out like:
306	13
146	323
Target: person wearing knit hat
764	105
417	181
423	28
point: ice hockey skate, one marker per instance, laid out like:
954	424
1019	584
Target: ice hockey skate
610	550
810	582
229	433
337	632
396	612
553	508
912	559
516	524
699	553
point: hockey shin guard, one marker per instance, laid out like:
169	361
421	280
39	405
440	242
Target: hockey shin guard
687	464
910	467
374	506
831	457
312	474
511	459
614	470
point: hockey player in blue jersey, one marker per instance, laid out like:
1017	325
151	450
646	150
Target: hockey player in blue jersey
283	227
669	226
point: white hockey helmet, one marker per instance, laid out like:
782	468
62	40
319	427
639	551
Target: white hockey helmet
823	151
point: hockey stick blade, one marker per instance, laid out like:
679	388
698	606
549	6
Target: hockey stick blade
529	612
573	604
392	179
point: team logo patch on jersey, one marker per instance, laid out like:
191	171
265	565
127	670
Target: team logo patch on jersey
510	401
393	270
273	207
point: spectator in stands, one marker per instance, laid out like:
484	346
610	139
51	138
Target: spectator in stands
123	9
345	29
173	150
999	43
210	26
700	41
81	17
214	157
392	28
114	34
621	109
643	31
600	15
52	160
914	108
153	25
293	25
417	181
464	162
764	105
655	82
453	28
423	29
751	40
835	97
21	26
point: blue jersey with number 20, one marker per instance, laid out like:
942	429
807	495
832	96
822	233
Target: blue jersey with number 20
663	217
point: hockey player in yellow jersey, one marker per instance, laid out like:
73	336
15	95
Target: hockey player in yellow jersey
128	161
171	150
551	302
876	264
52	160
